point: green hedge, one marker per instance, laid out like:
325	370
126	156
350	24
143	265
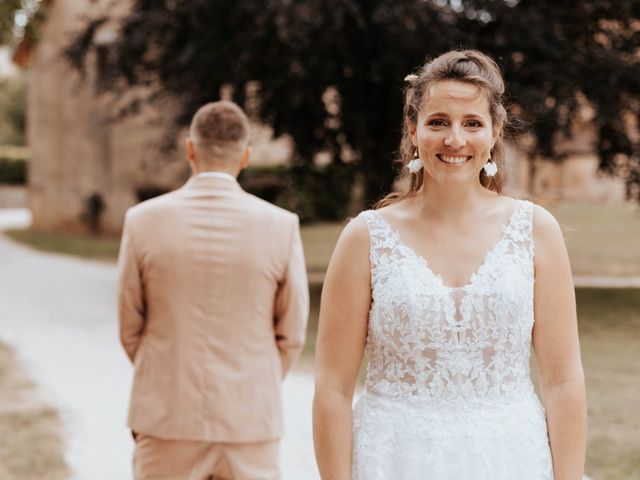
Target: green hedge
13	165
314	193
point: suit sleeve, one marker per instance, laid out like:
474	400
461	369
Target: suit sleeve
131	304
292	304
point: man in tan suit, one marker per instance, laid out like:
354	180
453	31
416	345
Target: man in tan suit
213	305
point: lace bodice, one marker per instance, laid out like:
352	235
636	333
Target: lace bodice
429	341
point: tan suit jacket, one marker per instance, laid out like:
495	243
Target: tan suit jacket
213	304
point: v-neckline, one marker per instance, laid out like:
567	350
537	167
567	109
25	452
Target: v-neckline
505	228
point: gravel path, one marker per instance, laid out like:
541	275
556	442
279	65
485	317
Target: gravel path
59	313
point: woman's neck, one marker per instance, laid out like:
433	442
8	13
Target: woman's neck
452	203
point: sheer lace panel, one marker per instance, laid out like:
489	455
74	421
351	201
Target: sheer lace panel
427	340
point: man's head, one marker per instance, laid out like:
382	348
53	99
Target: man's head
219	139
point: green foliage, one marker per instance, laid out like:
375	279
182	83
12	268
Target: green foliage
314	193
36	14
13	165
93	208
298	53
13	106
7	9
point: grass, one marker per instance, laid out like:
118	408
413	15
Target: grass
30	441
602	240
98	248
610	341
319	240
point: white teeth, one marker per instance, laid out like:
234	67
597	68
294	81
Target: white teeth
449	159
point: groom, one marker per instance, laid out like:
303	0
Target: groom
213	304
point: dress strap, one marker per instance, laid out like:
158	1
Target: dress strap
377	229
520	228
382	241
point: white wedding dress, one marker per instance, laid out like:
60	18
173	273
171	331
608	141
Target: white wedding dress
448	393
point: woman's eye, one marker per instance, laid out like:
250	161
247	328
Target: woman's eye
436	122
474	124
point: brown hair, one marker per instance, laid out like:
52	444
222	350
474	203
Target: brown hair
469	66
219	127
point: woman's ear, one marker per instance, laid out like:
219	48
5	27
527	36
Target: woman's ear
411	128
497	131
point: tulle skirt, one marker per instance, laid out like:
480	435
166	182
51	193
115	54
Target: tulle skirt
478	439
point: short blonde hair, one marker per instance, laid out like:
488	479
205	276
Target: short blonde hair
219	129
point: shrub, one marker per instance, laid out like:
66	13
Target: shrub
93	208
145	192
13	165
314	193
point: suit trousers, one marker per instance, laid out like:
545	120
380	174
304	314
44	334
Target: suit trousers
159	459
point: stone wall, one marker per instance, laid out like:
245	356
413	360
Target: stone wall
76	150
13	196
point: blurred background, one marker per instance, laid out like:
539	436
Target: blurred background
95	98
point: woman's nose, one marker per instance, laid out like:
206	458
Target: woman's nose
455	138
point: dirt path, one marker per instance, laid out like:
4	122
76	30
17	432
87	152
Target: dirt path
59	313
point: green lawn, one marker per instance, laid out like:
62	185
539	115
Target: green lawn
319	240
610	340
99	248
602	240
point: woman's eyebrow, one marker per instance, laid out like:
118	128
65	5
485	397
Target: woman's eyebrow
473	115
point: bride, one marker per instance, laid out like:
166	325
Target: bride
445	288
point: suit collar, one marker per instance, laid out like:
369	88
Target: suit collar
228	176
212	182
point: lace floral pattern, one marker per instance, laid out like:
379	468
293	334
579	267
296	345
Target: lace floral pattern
448	368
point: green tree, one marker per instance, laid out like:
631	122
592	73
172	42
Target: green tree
329	72
556	53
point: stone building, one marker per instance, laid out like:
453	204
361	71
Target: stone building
78	153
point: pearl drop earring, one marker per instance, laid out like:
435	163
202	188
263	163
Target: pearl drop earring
490	168
416	164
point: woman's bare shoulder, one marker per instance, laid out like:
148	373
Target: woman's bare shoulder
355	233
544	223
547	235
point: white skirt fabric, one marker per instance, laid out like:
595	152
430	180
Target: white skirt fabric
479	439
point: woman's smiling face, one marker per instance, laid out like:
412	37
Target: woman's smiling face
454	133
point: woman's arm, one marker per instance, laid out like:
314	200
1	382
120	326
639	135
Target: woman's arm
555	342
342	331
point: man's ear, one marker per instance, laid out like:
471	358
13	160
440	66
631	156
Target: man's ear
190	149
190	152
244	162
